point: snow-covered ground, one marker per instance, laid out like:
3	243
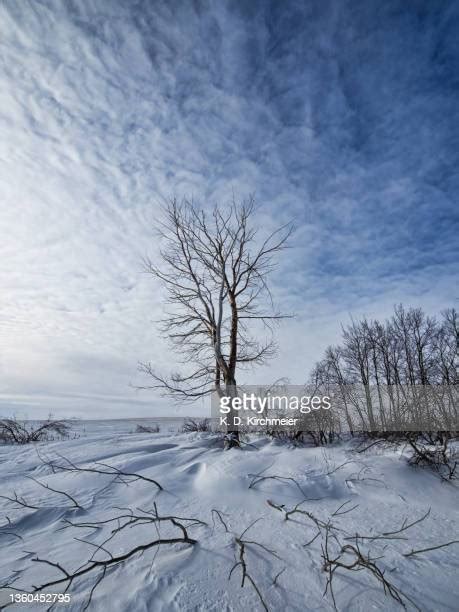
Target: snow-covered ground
197	477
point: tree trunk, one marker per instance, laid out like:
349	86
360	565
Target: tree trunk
232	432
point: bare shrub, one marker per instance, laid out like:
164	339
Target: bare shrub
434	451
190	425
431	449
147	429
297	437
14	431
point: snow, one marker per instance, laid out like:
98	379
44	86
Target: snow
198	476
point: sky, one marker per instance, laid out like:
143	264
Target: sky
342	116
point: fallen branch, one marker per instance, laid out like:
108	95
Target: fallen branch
391	535
338	467
124	477
278	575
340	512
242	545
423	550
362	450
20	501
297	510
123	521
219	515
358	561
46	486
257	478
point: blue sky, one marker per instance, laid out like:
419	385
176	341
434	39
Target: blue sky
341	115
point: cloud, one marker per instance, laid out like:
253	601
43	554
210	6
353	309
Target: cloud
343	116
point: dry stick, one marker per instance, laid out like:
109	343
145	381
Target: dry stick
94	587
133	475
20	501
319	524
337	511
96	546
257	478
157	550
4	529
9	582
219	515
154	513
405	526
278	575
335	469
250	526
46	486
101	546
242	544
245	575
370	445
297	510
361	561
313	539
423	550
279	507
263	547
358	537
327	567
11	533
391	535
114	471
359	478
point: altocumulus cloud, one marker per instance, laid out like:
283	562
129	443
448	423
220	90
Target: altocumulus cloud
341	115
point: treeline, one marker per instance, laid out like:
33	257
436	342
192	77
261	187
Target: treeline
410	348
393	376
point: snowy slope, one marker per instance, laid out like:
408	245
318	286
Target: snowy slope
197	476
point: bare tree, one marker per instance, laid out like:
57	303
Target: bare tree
215	269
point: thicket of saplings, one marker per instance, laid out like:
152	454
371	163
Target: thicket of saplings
390	382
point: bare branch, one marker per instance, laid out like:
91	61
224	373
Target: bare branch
46	486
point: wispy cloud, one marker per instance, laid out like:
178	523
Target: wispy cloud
344	116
